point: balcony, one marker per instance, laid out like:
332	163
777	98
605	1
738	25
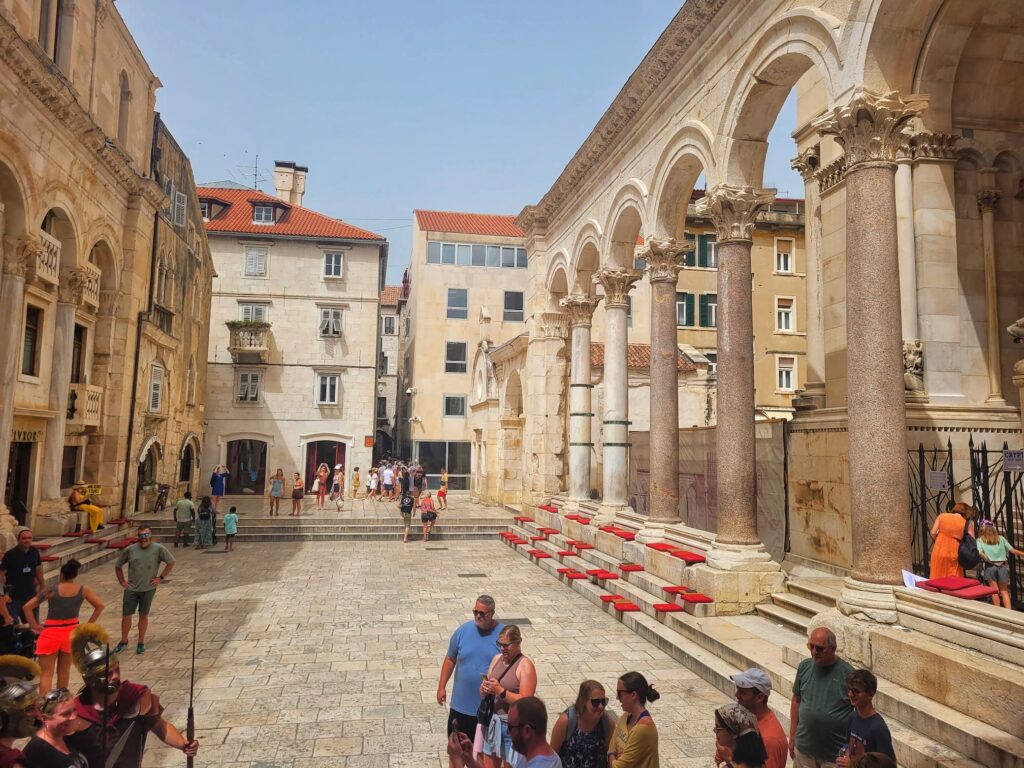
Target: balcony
47	264
250	341
88	404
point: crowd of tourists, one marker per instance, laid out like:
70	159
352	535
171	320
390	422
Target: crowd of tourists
496	718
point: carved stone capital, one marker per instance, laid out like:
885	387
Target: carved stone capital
579	308
554	325
71	288
664	257
733	210
20	257
870	126
807	163
617	283
934	146
988	199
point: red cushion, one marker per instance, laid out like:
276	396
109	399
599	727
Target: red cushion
40	545
970	593
576	575
580	545
950	582
667	607
696	597
626	607
611	598
49	558
689	557
630	568
675	590
661	546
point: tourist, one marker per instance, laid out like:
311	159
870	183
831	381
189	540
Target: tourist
428	515
19	700
582	734
635	741
298	491
22	569
819	712
218	483
355	483
753	687
53	648
442	490
387	477
995	569
528	726
738	743
276	492
184	519
204	524
338	486
469	655
143	559
230	529
867	731
321	484
126	712
47	749
949	528
510	677
78	501
405	507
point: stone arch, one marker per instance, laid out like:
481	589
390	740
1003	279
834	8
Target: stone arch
626	222
686	156
586	258
796	42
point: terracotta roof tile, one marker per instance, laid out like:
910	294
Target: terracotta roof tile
294	220
468	223
390	295
638	356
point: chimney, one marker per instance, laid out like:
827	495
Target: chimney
290	181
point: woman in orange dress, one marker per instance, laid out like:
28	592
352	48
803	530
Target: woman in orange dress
947	532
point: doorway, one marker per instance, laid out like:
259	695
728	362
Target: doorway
16	491
247	463
329	452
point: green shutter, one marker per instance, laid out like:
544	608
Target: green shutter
704	310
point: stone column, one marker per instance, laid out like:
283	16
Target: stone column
664	260
580	309
988	199
870	130
732	211
617	283
807	164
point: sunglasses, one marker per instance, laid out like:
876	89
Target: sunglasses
481	614
599	702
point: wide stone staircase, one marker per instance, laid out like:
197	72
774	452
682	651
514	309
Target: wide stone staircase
949	706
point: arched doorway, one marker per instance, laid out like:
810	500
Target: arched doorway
247	464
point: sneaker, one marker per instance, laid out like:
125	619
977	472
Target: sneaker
140	649
120	646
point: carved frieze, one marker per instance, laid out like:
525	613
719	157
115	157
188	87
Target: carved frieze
664	257
617	283
579	308
733	210
871	126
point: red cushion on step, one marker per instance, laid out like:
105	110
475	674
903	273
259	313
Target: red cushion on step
661	546
972	593
630	568
675	590
42	546
49	558
626	607
626	535
691	558
580	546
565	552
576	575
611	598
949	583
667	607
696	597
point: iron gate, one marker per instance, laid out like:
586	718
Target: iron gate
999	496
927	503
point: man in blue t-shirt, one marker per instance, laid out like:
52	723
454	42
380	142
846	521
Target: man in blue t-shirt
470	651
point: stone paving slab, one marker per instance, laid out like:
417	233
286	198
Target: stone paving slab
314	654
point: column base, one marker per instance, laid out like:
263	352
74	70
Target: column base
868	602
738	577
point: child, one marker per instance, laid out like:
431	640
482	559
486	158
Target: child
427	514
405	506
230	529
995	568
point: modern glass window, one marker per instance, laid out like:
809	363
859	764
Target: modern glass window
513	306
708	310
332	264
255	261
330	322
784	256
328	386
30	344
156	388
382	407
455	357
458	303
248	389
263	214
684	309
253	313
786	373
455	405
388	325
784	315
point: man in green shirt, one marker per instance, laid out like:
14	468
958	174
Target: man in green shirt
143	560
819	712
184	519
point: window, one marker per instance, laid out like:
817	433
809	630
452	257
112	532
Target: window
253	313
708	310
455	357
255	261
156	388
330	322
712	363
458	303
784	315
513	306
455	405
785	368
707	251
204	210
248	390
262	214
327	388
30	345
388	325
332	264
784	256
382	407
69	466
180	208
684	310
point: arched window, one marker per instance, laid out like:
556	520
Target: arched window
122	110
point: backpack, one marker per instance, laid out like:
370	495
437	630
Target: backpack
967	553
607	726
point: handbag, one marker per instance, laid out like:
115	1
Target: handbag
967	553
485	711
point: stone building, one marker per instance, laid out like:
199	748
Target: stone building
80	207
392	300
294	342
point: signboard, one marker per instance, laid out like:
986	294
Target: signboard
368	441
938	480
1013	461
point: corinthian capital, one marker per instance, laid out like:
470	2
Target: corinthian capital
664	257
870	127
71	288
988	199
20	256
579	308
733	210
807	163
617	283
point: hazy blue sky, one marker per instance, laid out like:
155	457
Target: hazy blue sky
400	104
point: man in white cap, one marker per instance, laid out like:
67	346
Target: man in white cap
753	687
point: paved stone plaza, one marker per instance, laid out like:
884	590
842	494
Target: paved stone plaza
316	654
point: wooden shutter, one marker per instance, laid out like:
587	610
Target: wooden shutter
156	388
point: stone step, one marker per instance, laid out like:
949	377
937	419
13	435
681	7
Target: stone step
779	614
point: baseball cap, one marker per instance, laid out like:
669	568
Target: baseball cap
754	678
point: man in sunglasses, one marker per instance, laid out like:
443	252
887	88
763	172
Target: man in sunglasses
469	655
143	560
819	712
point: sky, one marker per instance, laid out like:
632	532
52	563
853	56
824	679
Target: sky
395	105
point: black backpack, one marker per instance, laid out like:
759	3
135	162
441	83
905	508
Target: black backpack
967	553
